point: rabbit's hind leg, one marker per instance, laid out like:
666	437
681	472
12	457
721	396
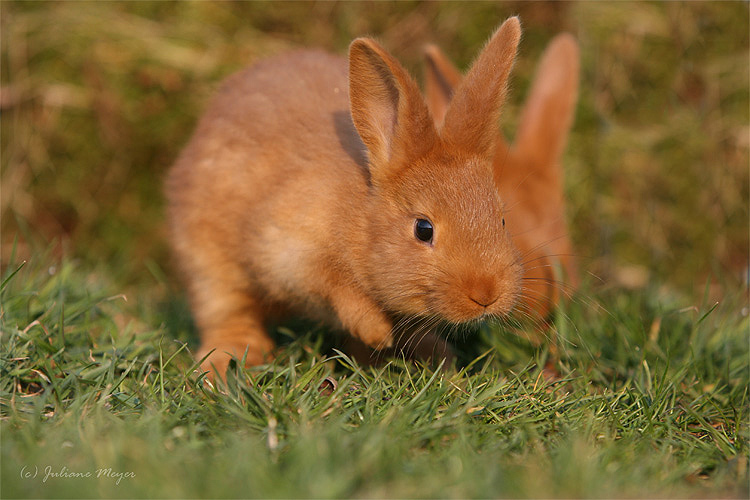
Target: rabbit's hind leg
231	324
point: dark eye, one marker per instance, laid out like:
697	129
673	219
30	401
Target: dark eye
423	230
503	221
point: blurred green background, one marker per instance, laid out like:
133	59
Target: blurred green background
97	98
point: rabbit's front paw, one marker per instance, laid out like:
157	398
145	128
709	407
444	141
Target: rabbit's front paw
376	332
362	317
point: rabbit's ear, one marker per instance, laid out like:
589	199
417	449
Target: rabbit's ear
471	120
547	115
441	80
387	109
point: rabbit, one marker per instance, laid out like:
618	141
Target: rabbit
528	172
322	186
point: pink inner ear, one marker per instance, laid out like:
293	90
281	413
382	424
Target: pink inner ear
374	98
383	121
387	109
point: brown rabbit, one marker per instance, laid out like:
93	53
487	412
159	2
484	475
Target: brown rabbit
528	173
327	190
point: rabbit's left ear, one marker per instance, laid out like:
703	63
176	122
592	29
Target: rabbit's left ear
441	80
547	115
471	118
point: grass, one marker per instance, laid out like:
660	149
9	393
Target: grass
649	396
651	399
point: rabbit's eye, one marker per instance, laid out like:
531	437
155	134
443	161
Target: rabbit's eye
423	230
503	222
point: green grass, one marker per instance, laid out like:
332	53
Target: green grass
651	361
651	399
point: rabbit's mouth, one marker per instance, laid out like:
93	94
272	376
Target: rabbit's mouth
464	308
478	311
480	297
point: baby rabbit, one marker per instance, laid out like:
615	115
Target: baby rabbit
528	173
326	189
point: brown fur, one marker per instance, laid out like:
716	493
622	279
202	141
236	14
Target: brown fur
528	173
300	188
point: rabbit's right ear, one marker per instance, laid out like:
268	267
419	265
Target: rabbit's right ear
441	80
547	115
387	109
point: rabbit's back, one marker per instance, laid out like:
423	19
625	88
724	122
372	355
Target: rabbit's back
289	112
271	163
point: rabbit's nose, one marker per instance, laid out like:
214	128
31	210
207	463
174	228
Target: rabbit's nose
484	302
483	293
